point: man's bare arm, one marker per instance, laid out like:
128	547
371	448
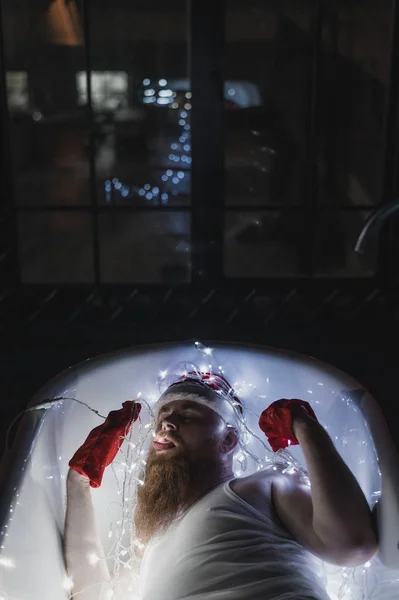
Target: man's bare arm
83	549
340	509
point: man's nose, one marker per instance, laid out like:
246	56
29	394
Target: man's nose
168	423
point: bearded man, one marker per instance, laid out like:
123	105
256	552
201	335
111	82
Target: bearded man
211	536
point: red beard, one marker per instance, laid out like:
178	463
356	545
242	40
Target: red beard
167	487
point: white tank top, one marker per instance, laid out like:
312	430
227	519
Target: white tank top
224	549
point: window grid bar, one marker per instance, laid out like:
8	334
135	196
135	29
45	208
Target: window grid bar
206	53
92	161
6	161
387	265
311	187
185	208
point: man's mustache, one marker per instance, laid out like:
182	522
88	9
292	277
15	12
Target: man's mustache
168	438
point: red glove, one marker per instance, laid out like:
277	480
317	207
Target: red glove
276	421
103	443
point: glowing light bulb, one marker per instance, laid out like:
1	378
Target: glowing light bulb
67	584
163	374
93	559
6	562
208	351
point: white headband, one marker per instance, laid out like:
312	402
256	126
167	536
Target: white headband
202	395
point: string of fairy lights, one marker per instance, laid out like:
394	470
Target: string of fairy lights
173	180
125	550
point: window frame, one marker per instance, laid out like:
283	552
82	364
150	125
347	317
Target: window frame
206	35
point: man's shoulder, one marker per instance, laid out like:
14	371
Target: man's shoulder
258	480
259	490
255	488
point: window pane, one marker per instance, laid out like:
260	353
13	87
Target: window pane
353	101
141	95
266	97
263	244
44	48
55	247
150	247
109	89
336	234
17	90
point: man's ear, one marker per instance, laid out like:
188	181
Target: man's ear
230	441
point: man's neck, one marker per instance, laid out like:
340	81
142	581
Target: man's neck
206	481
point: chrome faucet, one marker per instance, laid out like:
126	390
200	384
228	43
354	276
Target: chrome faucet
371	229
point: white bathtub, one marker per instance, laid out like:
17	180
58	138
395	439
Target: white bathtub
33	491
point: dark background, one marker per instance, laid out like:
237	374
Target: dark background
198	170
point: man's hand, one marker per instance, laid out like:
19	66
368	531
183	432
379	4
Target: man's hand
276	421
103	442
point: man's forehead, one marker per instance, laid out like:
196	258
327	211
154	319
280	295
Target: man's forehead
183	405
